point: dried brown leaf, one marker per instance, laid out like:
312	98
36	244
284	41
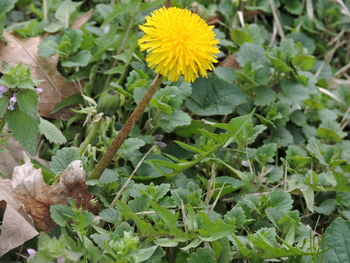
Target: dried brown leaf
28	197
230	62
81	20
55	86
16	225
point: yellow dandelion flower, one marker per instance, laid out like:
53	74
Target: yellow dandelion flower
179	43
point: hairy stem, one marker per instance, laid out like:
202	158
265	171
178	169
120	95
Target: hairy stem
124	132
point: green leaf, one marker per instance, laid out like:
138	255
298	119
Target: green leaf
303	62
70	41
61	214
48	46
24	128
239	36
225	73
281	200
265	153
236	217
294	7
337	242
143	254
65	10
251	53
169	122
202	255
7	5
81	59
305	40
51	132
109	215
70	101
331	131
63	158
4	102
264	96
144	228
214	97
169	219
28	102
281	136
327	207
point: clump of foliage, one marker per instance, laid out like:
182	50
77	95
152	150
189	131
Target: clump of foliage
251	164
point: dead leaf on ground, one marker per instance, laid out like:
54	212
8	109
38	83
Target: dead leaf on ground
28	197
14	219
55	86
13	156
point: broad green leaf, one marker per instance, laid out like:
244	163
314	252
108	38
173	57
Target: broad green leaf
61	214
4	102
65	10
24	128
327	207
143	254
239	36
7	5
28	102
337	242
202	255
331	131
63	158
264	96
109	215
225	73
251	53
214	97
169	122
281	200
51	132
266	153
48	46
81	59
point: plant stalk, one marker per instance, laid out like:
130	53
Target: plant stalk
124	132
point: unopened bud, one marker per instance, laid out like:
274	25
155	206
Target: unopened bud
108	103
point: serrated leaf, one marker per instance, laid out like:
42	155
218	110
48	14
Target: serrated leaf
63	158
51	132
337	241
201	255
24	128
251	53
28	102
61	214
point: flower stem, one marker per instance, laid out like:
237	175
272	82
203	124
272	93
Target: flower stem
124	132
2	123
92	134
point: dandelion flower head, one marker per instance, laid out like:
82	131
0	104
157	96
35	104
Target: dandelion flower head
179	43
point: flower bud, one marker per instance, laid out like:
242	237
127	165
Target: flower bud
108	102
